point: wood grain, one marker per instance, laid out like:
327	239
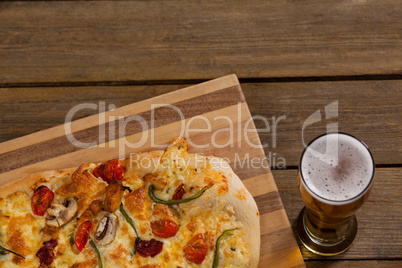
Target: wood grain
369	110
358	112
153	119
164	40
219	102
354	264
379	220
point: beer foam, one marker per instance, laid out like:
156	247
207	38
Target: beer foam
337	167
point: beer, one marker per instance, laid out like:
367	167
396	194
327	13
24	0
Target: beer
335	177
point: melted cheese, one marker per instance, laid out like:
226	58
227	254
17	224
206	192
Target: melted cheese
20	230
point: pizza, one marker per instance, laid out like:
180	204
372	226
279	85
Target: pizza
157	209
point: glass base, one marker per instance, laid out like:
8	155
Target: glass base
321	247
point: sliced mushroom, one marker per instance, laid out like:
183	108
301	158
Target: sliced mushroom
59	214
106	229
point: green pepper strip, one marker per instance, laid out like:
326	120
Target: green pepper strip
92	243
175	202
128	219
218	242
71	239
131	223
3	251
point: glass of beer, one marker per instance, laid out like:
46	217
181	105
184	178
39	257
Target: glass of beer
335	177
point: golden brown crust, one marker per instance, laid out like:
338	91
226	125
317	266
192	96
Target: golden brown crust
34	181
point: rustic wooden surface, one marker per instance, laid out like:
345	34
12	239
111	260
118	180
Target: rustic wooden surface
293	58
163	40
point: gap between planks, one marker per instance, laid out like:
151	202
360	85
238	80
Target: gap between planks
363	77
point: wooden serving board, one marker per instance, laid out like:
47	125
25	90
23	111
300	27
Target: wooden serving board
215	119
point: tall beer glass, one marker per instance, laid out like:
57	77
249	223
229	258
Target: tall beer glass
335	177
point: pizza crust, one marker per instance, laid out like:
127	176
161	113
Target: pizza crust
28	183
246	210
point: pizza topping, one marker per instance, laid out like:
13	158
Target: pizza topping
137	201
82	235
4	251
128	219
218	242
106	229
158	180
91	263
143	247
175	202
58	214
41	200
179	192
110	170
164	228
82	183
196	249
148	248
114	194
94	209
93	245
45	253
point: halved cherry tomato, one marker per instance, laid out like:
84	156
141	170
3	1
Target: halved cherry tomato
82	235
164	228
149	248
110	170
179	192
41	200
196	249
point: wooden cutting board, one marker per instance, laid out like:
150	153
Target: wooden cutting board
213	116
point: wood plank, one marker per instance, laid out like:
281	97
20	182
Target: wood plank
354	264
380	219
164	40
217	106
369	110
358	112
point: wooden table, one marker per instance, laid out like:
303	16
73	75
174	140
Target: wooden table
292	57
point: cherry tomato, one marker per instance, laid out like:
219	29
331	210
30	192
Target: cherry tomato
179	192
110	170
148	248
196	249
164	228
45	253
82	235
41	200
